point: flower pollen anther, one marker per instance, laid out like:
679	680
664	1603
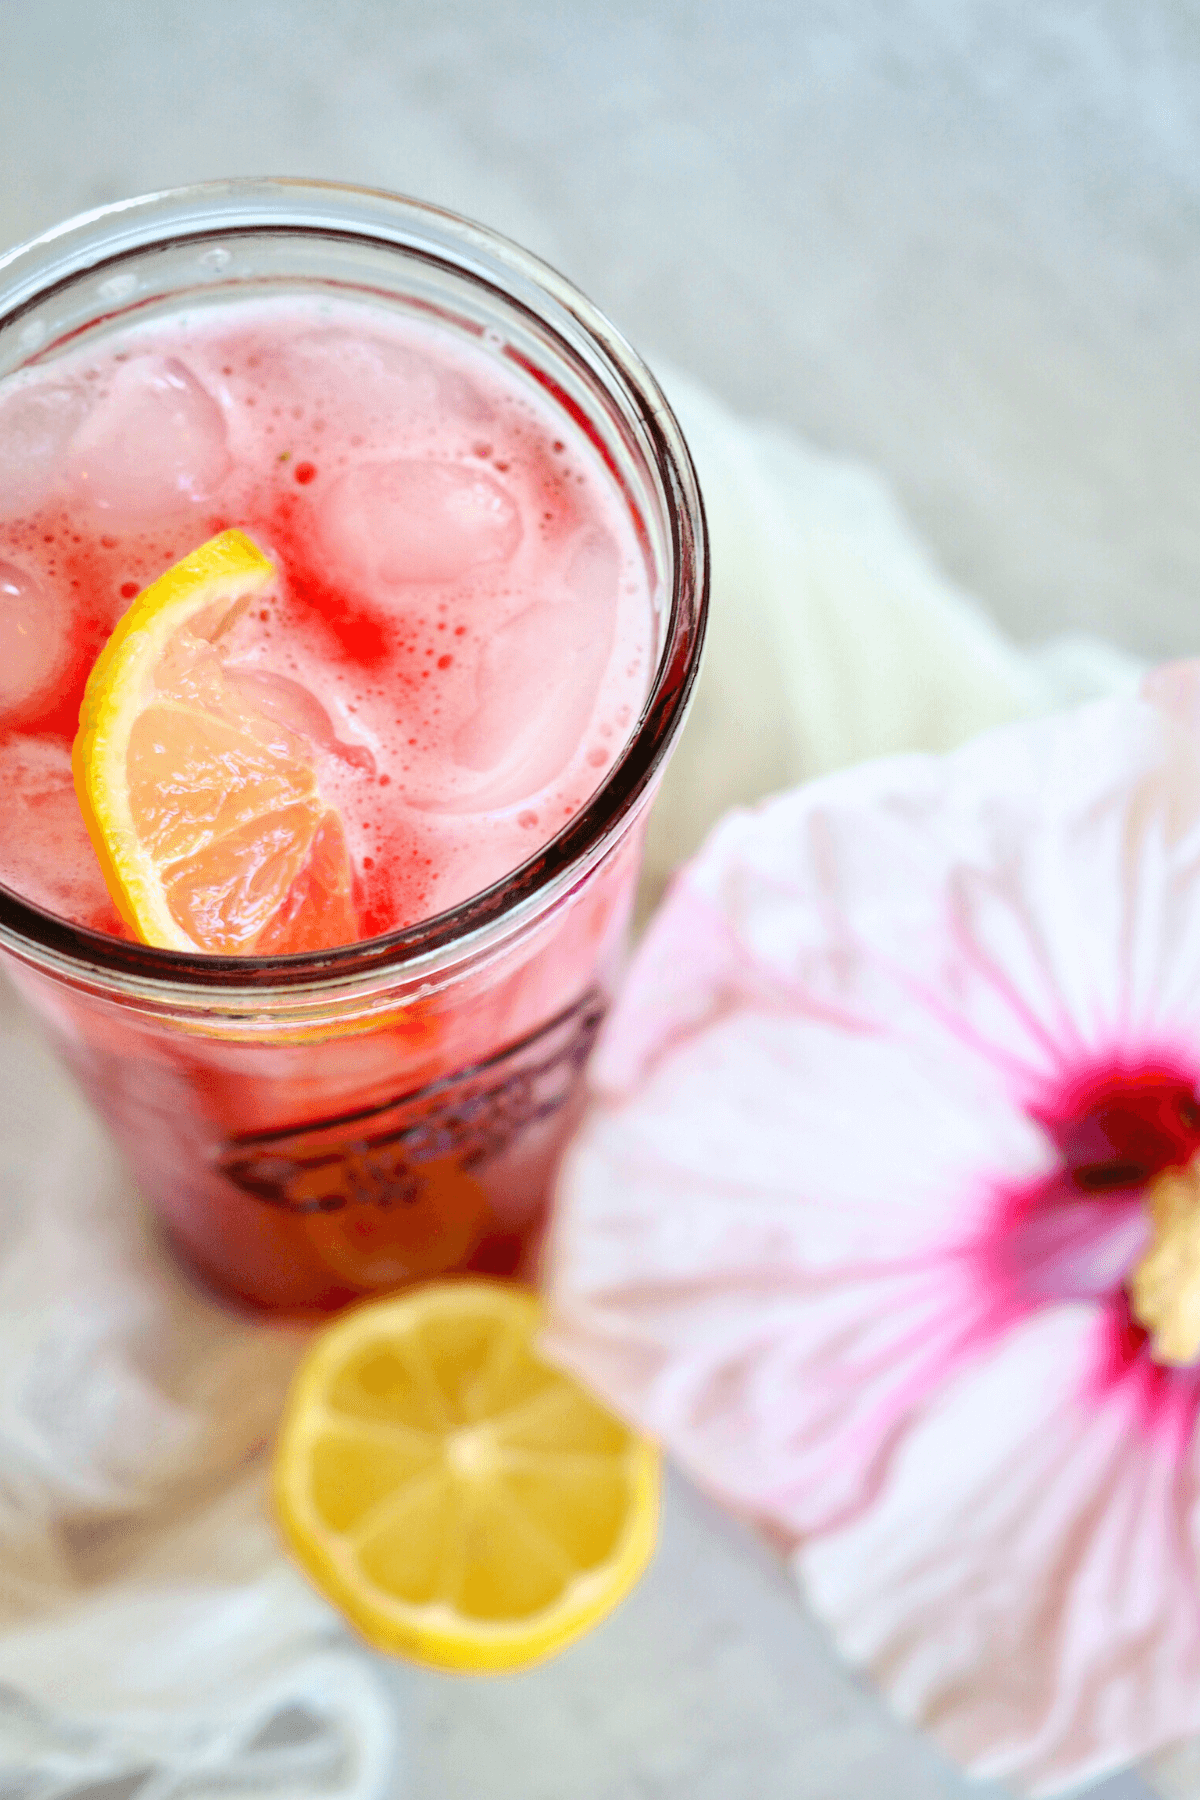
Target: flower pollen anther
1164	1289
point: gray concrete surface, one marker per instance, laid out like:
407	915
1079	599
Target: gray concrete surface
957	237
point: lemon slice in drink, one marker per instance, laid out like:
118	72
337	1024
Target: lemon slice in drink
463	1502
205	813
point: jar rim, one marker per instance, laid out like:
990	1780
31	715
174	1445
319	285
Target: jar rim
82	247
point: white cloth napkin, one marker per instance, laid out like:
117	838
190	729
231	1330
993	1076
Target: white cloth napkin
149	1626
151	1632
833	636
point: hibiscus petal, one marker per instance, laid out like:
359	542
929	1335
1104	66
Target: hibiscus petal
767	1275
1024	1585
786	1400
813	1213
1034	891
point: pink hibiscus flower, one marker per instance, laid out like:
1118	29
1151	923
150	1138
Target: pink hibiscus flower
882	1220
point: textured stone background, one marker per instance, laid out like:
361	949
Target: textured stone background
956	237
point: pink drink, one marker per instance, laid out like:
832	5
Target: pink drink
464	631
462	627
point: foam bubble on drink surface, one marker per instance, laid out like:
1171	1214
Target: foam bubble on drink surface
462	626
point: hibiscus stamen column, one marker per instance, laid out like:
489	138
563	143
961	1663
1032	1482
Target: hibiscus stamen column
1164	1289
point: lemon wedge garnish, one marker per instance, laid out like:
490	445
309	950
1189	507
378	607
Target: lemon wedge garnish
204	812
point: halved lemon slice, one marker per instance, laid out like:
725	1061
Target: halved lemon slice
463	1502
204	811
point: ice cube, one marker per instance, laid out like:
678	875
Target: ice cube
154	442
341	366
538	680
35	643
361	378
37	420
289	703
385	524
46	855
457	393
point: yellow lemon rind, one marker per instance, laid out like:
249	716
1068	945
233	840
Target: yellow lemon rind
226	568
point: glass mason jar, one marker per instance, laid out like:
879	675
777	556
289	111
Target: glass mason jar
311	1128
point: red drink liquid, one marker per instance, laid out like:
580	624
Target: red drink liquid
464	631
